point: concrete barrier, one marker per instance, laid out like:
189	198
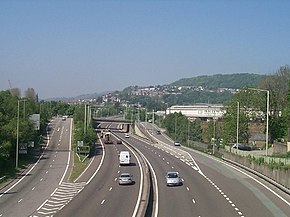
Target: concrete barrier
279	177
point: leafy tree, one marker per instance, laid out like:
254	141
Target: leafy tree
229	127
278	86
180	128
31	94
15	92
237	81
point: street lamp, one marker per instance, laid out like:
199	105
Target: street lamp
17	136
175	114
267	121
238	117
188	130
17	132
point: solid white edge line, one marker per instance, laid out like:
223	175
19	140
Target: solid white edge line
156	185
141	182
101	163
69	150
256	180
41	205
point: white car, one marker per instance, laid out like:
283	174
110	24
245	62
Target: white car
125	179
173	179
177	143
127	135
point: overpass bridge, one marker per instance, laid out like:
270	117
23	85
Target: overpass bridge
112	120
97	123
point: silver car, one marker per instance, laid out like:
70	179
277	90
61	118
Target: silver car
125	179
177	143
173	178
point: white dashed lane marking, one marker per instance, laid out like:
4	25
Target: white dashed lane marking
190	162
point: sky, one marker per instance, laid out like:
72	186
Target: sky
65	48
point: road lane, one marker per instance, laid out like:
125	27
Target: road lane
190	199
246	187
36	185
103	196
246	192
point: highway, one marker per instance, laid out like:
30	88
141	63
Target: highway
25	195
103	196
211	187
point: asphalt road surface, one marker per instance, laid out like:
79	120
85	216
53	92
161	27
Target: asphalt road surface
211	186
26	195
103	196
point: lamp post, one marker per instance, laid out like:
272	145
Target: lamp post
17	131
214	134
85	120
267	121
17	135
188	129
238	117
175	114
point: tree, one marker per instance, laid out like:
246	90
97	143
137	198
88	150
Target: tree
278	86
180	128
229	126
15	92
31	94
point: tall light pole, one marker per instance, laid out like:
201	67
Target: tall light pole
238	117
214	134
188	125
267	121
175	114
17	135
17	130
85	120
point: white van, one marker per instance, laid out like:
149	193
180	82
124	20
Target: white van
124	158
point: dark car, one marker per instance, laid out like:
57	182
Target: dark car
242	147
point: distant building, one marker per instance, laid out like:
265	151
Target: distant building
202	111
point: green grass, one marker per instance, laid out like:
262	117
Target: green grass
8	170
78	167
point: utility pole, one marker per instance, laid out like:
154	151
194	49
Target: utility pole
85	120
238	117
175	114
17	136
267	122
188	132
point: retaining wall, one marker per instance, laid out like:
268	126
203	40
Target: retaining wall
282	176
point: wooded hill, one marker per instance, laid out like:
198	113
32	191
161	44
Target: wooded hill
235	81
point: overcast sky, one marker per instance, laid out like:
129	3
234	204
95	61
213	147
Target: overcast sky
65	48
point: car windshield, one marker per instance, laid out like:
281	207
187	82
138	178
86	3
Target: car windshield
125	175
172	175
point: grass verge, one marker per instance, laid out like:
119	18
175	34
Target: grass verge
78	167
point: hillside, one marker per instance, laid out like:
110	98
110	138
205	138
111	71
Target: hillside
235	81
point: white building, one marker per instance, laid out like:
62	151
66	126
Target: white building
203	111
